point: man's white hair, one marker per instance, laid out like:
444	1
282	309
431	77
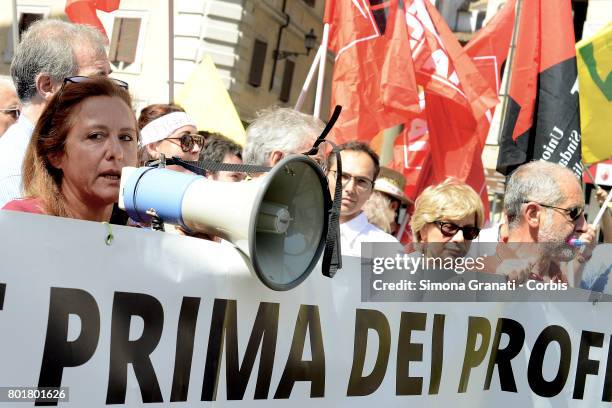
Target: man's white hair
282	129
48	46
536	181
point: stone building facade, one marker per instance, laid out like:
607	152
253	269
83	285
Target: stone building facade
241	36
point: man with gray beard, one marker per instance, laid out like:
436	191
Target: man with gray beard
544	204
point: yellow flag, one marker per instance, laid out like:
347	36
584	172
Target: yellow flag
594	58
206	100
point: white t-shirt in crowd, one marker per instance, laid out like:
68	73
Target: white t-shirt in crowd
358	230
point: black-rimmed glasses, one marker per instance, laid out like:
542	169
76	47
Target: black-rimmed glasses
574	212
448	229
361	183
188	141
12	112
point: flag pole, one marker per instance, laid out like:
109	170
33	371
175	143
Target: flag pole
170	51
319	94
602	210
15	27
508	69
308	81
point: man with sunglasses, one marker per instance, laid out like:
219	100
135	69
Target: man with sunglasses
9	106
544	204
360	168
49	52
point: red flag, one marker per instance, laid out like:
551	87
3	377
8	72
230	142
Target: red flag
457	102
373	76
542	120
457	97
84	11
489	47
410	151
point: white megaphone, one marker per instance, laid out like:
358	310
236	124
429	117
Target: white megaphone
278	221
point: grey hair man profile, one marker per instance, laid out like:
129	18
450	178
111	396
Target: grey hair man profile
49	52
9	105
279	132
544	204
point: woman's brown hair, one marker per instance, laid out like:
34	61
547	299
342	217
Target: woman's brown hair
147	115
40	178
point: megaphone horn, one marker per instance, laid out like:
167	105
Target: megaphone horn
278	221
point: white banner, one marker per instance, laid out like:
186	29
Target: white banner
160	318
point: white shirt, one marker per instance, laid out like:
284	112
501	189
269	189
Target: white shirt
13	146
358	230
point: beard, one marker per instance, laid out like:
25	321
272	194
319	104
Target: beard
553	243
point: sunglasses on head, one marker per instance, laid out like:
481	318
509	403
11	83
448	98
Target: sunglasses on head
79	79
188	141
448	229
13	112
573	213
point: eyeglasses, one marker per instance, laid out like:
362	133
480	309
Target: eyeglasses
13	112
448	229
574	212
188	141
79	79
361	183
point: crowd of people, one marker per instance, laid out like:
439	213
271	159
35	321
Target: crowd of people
67	129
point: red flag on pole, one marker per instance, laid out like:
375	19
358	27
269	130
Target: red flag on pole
373	76
410	150
457	98
542	119
84	11
489	47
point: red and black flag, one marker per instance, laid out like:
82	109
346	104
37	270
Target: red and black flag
542	118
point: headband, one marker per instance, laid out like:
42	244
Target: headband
164	126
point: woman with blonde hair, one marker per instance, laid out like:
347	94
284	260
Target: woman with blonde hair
447	217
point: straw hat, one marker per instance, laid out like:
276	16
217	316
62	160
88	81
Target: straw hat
392	183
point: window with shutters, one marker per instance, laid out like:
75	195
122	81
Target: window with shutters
126	33
26	20
124	42
285	91
258	62
26	15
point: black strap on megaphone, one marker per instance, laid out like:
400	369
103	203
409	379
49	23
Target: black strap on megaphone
201	167
332	259
330	124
